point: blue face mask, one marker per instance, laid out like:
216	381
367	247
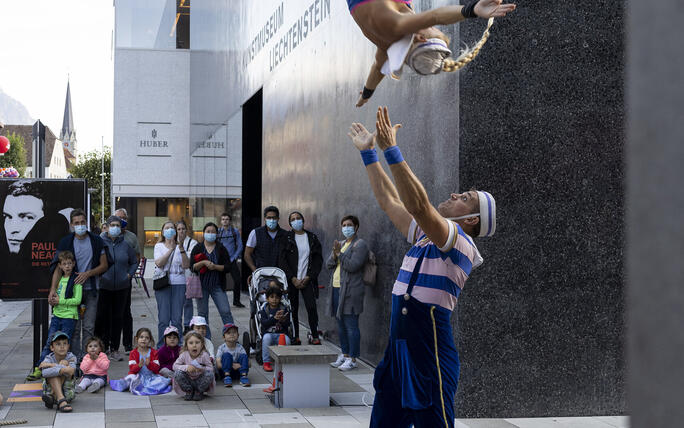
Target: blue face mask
348	231
209	237
297	224
271	223
169	233
81	229
114	231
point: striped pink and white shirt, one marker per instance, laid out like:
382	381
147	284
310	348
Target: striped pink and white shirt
443	271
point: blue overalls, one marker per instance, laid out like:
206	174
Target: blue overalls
416	380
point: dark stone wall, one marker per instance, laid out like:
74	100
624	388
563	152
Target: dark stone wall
542	116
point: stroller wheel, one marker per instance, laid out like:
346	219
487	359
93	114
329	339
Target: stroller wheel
257	356
252	332
246	343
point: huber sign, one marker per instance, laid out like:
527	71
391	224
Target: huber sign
153	139
35	216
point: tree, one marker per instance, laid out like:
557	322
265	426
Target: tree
90	168
16	156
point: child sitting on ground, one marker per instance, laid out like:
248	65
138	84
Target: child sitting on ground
143	369
194	370
274	320
94	367
232	360
199	324
58	370
168	354
65	304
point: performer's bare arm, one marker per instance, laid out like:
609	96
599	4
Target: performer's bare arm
410	189
383	189
374	75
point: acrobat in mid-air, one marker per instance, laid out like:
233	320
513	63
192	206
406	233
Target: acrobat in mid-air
403	36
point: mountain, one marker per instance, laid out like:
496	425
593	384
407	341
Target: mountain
12	112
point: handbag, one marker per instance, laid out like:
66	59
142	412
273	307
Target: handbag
163	281
193	285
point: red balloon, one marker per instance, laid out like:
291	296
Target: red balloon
4	144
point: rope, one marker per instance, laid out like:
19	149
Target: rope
467	55
13	422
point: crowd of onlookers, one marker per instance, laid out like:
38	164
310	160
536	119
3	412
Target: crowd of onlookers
90	297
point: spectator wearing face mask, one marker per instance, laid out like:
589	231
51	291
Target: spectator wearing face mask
211	261
132	240
345	303
301	259
169	258
264	243
114	289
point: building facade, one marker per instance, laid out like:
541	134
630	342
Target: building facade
536	119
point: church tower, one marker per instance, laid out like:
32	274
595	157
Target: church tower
68	133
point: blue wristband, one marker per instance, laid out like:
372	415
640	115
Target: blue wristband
369	156
393	155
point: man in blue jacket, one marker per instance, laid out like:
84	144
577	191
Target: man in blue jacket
91	263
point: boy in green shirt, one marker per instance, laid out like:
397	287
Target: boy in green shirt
65	303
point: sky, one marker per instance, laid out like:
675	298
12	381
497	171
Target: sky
44	42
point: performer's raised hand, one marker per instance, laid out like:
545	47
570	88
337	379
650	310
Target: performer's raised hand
361	137
386	133
493	8
361	100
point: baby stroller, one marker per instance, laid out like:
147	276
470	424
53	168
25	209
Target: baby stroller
258	283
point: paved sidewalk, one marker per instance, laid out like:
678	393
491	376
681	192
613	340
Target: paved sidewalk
236	407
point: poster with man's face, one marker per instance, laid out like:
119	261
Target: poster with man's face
34	217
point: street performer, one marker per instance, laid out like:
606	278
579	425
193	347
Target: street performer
417	378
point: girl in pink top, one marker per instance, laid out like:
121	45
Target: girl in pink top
194	369
94	367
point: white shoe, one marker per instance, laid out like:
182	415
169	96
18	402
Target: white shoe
115	356
339	361
347	365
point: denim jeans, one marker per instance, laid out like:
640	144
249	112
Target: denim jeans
65	325
188	310
348	329
170	302
227	365
87	322
220	300
268	340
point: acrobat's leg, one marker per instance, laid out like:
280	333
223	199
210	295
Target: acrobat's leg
402	24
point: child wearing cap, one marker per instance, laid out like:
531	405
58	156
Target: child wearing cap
169	352
274	321
58	369
232	360
199	324
65	303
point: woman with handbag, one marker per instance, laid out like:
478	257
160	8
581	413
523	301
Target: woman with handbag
169	280
212	261
193	286
345	301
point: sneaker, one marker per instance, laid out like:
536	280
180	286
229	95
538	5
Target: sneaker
339	361
228	381
347	365
78	389
268	367
188	396
238	305
93	388
244	380
115	356
316	341
36	374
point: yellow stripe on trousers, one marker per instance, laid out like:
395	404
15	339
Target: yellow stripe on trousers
439	371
